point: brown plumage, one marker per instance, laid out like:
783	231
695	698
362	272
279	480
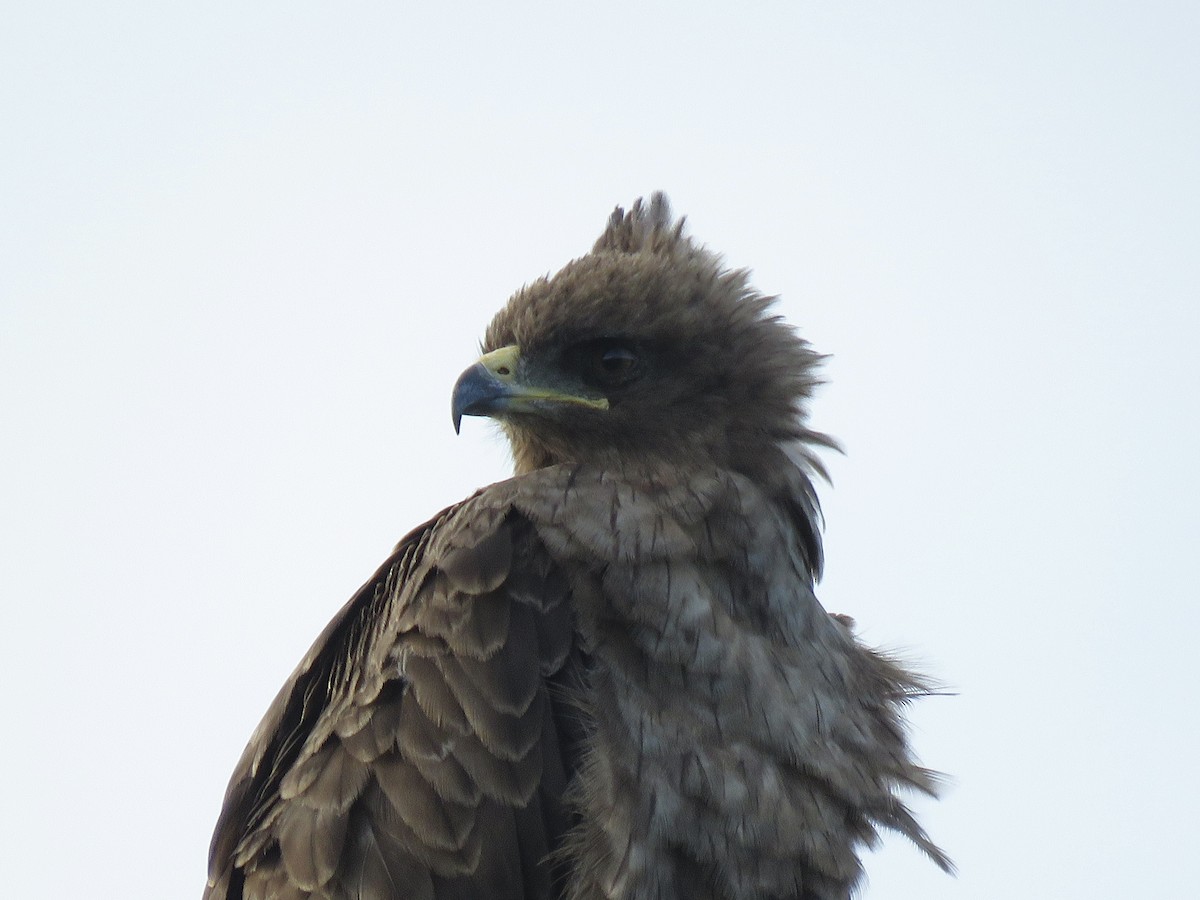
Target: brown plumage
607	677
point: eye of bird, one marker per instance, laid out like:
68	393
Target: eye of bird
618	361
606	363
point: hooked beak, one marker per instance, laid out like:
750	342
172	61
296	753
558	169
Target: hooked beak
491	387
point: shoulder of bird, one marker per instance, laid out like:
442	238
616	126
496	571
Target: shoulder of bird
609	676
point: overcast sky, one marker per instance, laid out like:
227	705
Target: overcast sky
245	249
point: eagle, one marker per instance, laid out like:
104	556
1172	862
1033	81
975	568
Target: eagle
607	676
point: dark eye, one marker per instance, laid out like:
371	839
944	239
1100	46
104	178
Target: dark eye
617	362
606	363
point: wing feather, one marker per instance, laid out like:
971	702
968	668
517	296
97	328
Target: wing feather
310	841
442	824
380	871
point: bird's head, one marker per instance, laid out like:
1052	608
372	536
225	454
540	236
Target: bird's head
645	349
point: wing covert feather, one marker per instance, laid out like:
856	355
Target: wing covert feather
425	715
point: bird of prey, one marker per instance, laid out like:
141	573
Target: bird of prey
608	676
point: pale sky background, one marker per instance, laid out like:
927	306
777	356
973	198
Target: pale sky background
245	249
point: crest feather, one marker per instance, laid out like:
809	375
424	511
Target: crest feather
645	228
